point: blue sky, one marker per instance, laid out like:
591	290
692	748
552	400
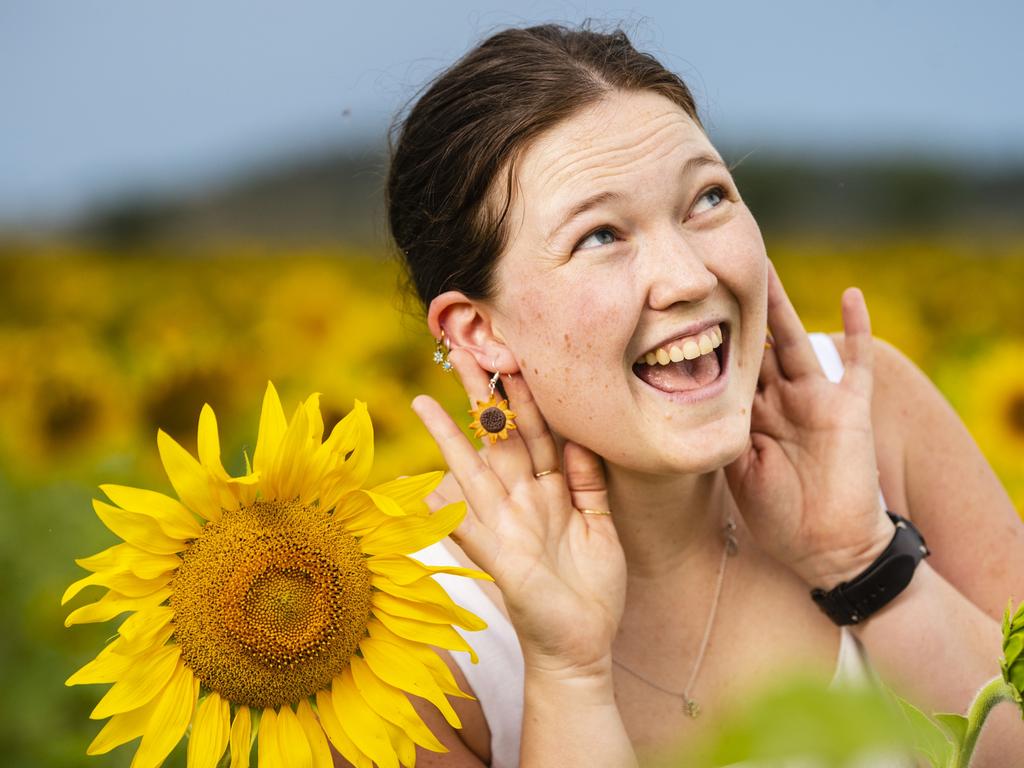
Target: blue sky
105	96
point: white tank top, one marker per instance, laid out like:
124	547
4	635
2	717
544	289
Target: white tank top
497	680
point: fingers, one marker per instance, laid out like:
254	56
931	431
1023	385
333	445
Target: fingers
858	346
531	426
509	458
792	347
480	485
584	474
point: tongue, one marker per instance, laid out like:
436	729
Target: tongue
681	376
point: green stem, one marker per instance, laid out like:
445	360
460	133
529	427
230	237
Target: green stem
993	692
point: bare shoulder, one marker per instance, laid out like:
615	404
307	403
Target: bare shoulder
468	746
936	472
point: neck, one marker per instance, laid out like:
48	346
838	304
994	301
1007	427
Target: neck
663	522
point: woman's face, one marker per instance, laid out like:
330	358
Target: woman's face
629	242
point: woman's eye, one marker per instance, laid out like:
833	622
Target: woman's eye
603	236
710	199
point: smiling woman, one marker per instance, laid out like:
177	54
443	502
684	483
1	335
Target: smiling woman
571	229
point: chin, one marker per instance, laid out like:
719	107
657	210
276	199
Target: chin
696	451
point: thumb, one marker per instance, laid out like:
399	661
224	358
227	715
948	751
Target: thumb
584	474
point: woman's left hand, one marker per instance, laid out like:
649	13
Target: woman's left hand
807	484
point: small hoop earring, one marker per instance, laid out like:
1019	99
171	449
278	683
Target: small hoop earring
441	355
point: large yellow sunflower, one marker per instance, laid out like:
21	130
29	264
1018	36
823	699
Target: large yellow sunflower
278	607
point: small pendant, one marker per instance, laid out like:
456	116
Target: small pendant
732	545
691	708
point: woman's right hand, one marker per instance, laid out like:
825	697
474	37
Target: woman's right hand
562	573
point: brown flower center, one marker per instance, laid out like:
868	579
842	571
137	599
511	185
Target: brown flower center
270	603
1015	413
493	419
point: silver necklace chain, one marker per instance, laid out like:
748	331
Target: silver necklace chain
690	706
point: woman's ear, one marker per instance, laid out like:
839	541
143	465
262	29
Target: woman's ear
468	324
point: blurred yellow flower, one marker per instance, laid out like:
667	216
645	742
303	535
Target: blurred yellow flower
989	394
281	603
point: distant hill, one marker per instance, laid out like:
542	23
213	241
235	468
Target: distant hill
334	197
338	197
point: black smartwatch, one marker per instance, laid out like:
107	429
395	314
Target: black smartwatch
853	601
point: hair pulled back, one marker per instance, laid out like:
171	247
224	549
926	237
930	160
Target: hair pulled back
471	125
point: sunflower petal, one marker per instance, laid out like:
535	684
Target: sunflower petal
358	514
387	505
441	635
127	584
429	593
141	530
267	747
171	717
292	741
272	427
332	727
394	665
402	744
129	558
401	569
411	492
316	419
173	517
112	604
141	682
412	534
210	729
288	473
120	729
354	434
143	625
425	655
427	612
318	746
392	704
241	738
107	667
191	480
208	442
361	723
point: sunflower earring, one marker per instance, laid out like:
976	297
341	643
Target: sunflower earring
441	355
491	417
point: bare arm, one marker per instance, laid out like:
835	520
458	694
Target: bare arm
806	488
948	489
977	542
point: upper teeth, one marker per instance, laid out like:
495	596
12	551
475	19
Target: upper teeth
688	348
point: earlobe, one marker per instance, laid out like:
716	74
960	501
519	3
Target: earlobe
468	324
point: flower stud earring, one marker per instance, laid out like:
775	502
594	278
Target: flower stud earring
441	354
491	417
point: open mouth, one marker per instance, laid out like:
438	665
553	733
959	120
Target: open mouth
687	363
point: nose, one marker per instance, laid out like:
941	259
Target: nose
676	269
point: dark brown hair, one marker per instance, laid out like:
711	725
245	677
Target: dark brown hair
458	145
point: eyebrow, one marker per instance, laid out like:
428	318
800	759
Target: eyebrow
691	165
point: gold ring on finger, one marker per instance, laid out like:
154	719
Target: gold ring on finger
545	472
595	511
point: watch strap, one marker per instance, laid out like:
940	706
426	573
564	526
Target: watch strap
851	602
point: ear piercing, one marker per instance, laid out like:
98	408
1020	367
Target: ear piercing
441	355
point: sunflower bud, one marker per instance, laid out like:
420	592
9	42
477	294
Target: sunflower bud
1012	662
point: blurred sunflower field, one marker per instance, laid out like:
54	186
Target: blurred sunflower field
98	351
